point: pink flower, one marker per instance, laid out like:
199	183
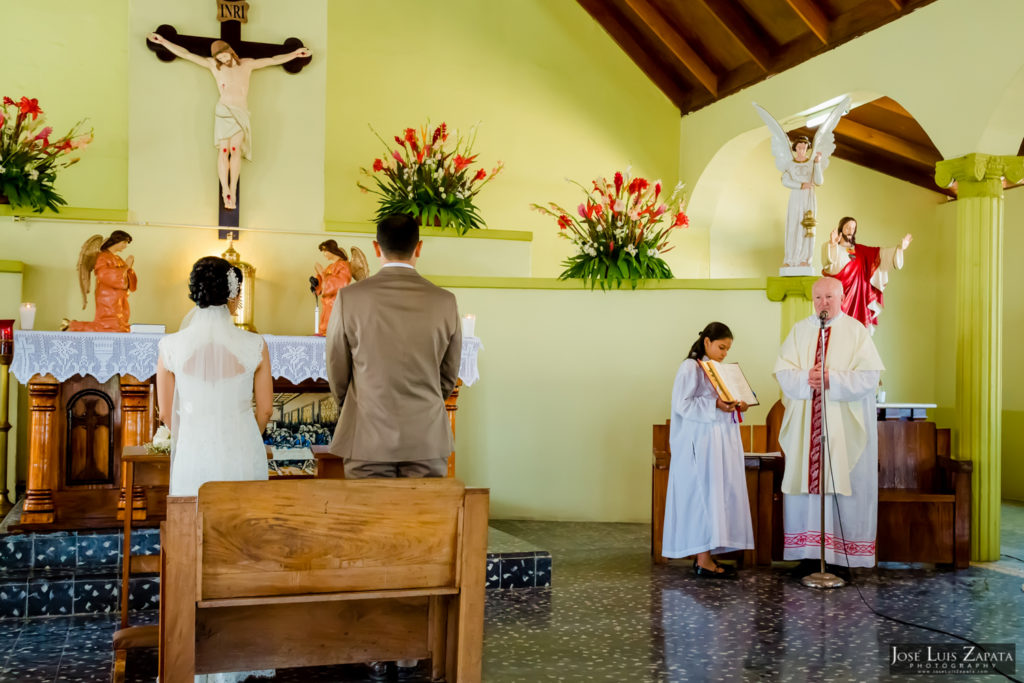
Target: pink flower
398	157
660	210
620	205
582	211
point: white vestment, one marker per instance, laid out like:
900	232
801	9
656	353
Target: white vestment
706	506
800	247
850	460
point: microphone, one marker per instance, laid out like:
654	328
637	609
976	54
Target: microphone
823	316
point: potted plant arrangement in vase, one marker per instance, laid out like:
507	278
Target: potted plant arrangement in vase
29	159
430	175
620	231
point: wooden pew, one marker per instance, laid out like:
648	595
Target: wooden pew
763	476
263	575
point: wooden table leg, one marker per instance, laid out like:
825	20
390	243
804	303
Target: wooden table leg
136	429
43	458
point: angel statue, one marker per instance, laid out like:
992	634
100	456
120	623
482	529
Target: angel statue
801	173
340	271
114	279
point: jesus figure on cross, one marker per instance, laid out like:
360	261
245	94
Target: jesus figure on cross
231	132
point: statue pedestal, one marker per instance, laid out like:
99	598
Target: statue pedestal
797	271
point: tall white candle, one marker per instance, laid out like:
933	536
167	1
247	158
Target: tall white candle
27	312
468	325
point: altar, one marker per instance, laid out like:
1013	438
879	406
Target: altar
90	395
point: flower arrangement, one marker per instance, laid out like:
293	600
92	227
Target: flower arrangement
430	178
620	231
161	442
29	159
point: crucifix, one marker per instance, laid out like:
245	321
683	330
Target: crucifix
231	61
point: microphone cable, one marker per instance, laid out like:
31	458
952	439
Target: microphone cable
842	539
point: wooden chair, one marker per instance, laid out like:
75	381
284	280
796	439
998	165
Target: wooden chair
141	469
261	575
763	475
924	496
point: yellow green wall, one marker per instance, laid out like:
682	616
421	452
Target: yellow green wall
555	98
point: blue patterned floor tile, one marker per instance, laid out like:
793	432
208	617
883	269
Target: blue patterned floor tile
99	551
517	570
15	553
13	599
493	573
543	576
144	593
145	542
54	550
94	596
50	598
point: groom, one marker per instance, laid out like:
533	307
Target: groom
393	349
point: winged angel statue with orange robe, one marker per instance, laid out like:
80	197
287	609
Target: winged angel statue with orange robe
801	173
115	279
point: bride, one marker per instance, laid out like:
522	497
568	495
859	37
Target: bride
209	373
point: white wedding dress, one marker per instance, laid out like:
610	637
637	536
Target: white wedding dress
214	435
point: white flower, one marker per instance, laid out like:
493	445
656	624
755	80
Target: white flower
619	207
630	249
1	170
33	174
652	253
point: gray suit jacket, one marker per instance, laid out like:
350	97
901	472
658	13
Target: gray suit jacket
394	343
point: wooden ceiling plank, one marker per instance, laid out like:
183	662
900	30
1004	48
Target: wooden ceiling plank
895	145
731	19
896	5
614	26
890	105
813	17
917	176
687	56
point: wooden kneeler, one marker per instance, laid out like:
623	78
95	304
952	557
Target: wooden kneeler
268	575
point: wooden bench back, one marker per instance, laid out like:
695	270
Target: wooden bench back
906	455
321	536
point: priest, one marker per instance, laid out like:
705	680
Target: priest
833	351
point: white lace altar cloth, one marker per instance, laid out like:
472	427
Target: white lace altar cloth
105	354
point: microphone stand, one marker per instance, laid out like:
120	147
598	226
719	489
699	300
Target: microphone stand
822	578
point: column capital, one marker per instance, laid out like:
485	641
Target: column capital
979	175
779	288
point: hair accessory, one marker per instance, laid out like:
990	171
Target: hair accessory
232	283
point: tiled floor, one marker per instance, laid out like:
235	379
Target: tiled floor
613	616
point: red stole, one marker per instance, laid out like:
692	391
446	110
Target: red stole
814	463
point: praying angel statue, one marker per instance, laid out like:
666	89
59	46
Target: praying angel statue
231	132
801	174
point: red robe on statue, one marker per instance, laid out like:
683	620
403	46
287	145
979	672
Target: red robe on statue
861	299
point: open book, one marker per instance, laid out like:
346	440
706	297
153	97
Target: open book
729	382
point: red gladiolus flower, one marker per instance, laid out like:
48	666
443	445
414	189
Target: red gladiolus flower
480	175
637	185
378	165
27	106
1	119
657	190
681	221
65	146
618	182
410	135
564	222
420	154
611	247
400	141
462	162
398	157
8	100
44	133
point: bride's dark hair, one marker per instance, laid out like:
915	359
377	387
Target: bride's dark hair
208	283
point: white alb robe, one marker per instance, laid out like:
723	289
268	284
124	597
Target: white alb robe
706	507
851	458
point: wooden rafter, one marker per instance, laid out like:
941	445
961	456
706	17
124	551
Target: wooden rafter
813	18
897	5
676	43
911	151
738	26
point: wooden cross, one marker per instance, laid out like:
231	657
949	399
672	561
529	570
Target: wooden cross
231	14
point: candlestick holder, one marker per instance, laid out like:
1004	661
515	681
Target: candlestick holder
6	357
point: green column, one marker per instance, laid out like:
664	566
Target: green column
795	295
979	331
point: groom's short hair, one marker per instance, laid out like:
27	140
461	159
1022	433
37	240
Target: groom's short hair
398	235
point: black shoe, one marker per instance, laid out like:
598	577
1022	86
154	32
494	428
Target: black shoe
702	573
377	671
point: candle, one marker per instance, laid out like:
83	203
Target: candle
468	325
6	342
27	312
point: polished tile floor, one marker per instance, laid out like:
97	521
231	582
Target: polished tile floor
613	616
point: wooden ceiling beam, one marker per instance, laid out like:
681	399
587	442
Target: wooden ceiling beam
612	23
894	145
896	5
733	21
813	18
890	105
917	176
678	45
